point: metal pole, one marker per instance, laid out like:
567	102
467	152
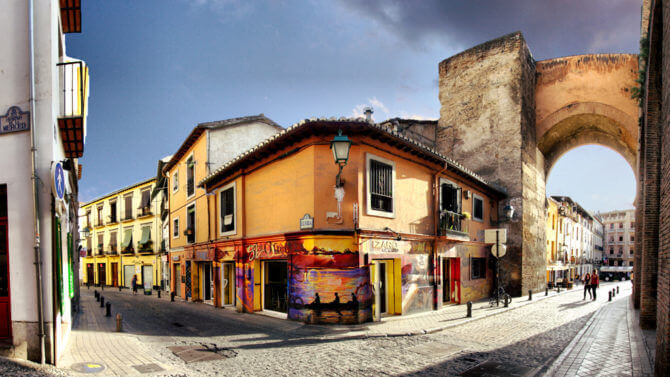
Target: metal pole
497	270
36	202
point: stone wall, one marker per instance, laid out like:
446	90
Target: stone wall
487	123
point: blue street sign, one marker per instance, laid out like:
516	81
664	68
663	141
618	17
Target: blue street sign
58	180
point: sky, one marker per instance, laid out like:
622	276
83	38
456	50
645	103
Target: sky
159	67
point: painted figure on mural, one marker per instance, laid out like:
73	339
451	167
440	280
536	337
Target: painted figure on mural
336	304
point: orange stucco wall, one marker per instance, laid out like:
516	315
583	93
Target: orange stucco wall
179	200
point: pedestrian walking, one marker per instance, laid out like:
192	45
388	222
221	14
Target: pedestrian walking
134	283
587	285
595	283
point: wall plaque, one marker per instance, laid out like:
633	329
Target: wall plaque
306	222
15	120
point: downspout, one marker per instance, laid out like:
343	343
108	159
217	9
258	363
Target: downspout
36	202
436	224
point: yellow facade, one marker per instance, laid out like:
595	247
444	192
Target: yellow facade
125	237
552	229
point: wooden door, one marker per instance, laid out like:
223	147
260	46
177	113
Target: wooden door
102	274
115	274
5	312
455	272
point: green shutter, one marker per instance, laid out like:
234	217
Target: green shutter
146	235
127	238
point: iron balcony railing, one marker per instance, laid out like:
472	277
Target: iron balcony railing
451	222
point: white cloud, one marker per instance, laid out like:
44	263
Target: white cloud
373	102
226	9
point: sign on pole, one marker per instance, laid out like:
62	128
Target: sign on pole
490	235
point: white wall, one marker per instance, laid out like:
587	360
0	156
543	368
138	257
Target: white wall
228	142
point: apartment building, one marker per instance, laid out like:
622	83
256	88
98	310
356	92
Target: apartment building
619	238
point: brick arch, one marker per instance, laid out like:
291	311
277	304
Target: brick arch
586	123
586	99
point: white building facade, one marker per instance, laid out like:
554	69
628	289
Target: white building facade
619	238
38	217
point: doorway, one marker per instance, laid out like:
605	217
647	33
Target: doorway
128	273
148	277
228	284
5	312
275	284
102	274
385	276
90	273
206	281
446	281
115	274
176	272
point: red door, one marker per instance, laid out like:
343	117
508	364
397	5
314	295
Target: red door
455	275
5	319
115	274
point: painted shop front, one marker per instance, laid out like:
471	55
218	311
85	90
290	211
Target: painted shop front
402	271
308	278
464	272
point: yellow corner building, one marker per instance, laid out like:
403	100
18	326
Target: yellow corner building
122	238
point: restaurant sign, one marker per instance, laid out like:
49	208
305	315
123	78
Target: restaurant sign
306	222
15	120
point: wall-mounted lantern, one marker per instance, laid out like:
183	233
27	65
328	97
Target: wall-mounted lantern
340	146
508	213
86	232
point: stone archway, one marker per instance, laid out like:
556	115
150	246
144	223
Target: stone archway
510	118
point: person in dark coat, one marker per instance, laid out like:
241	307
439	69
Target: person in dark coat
595	283
587	285
134	284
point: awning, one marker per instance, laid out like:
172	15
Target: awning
127	238
146	235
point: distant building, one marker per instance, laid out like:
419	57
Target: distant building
619	233
122	234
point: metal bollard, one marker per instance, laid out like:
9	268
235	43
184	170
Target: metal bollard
506	302
530	295
546	291
558	288
610	294
108	309
119	288
469	304
617	289
159	293
613	293
171	296
119	322
102	302
88	286
97	295
102	287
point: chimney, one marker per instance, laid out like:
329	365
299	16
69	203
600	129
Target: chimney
368	113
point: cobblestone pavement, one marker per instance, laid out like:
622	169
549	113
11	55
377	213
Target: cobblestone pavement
524	340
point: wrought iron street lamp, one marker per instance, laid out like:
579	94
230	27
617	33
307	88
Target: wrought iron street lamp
86	232
508	212
340	146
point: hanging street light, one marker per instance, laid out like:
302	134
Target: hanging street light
340	146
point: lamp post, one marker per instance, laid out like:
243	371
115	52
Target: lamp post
340	146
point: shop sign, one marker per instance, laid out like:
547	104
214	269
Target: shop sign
175	258
306	222
15	120
385	246
267	250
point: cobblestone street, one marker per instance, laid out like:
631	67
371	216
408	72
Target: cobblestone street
524	341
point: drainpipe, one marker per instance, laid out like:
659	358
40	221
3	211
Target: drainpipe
36	202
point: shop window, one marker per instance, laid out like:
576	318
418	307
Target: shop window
477	208
380	189
477	268
227	210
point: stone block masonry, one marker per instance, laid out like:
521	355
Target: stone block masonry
487	123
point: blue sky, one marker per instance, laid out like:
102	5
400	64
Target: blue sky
159	67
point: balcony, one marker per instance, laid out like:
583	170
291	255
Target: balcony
145	248
128	216
453	224
113	249
112	220
73	108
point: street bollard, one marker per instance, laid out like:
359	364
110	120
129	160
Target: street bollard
558	288
88	286
506	302
108	309
546	291
102	287
171	296
102	302
119	288
97	295
617	289
119	322
159	293
610	294
469	315
530	295
613	293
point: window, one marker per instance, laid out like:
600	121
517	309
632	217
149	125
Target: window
381	182
620	238
477	268
145	243
100	243
89	247
620	249
112	212
175	181
227	210
450	198
88	219
632	225
612	226
128	207
112	241
175	228
127	244
632	238
611	250
190	223
190	176
631	251
620	225
477	208
100	222
145	203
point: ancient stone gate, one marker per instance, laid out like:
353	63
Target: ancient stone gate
510	118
